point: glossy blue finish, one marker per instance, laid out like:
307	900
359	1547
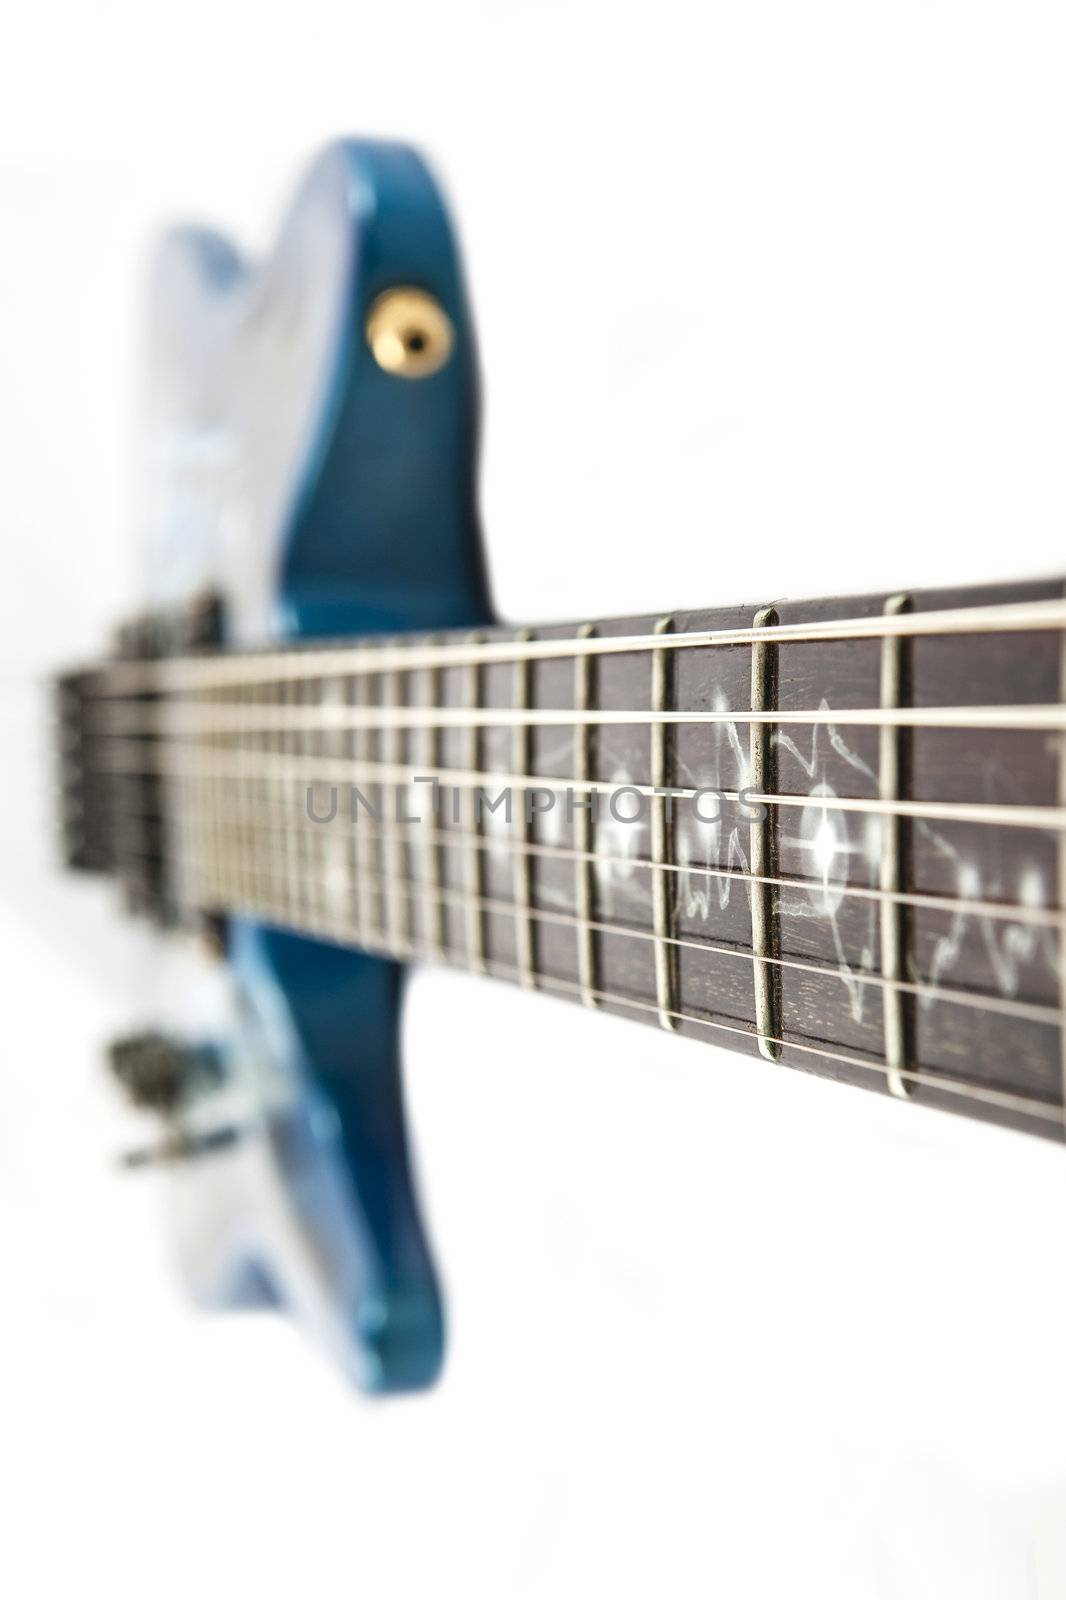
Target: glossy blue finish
372	530
384	533
340	1144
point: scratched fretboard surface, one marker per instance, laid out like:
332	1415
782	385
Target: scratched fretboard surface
753	936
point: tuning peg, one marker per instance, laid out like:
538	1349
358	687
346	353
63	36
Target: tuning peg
156	1071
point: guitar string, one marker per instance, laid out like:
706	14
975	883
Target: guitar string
1036	1108
340	932
1032	1011
829	888
318	923
374	661
128	757
174	717
123	677
273	830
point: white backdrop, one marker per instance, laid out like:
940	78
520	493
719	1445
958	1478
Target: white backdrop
770	301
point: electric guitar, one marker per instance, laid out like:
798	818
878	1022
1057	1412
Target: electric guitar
832	834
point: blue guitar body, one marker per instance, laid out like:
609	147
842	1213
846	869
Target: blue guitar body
320	493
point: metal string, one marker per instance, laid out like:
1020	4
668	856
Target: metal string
1011	911
128	757
281	837
211	768
172	717
342	659
828	888
410	948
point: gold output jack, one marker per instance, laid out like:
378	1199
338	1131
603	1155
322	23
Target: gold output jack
409	333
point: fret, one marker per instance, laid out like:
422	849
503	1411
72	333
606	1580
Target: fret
232	816
278	789
335	847
1061	883
320	835
183	808
198	880
239	807
218	835
362	845
397	911
240	851
202	887
236	807
312	692
306	831
766	977
262	795
256	867
521	886
289	800
433	910
584	868
353	837
289	778
475	919
890	788
255	781
662	887
258	784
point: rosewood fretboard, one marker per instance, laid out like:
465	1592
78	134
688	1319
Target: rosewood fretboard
877	899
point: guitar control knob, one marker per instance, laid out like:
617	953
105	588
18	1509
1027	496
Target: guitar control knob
156	1071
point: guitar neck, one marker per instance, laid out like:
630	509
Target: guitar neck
830	833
